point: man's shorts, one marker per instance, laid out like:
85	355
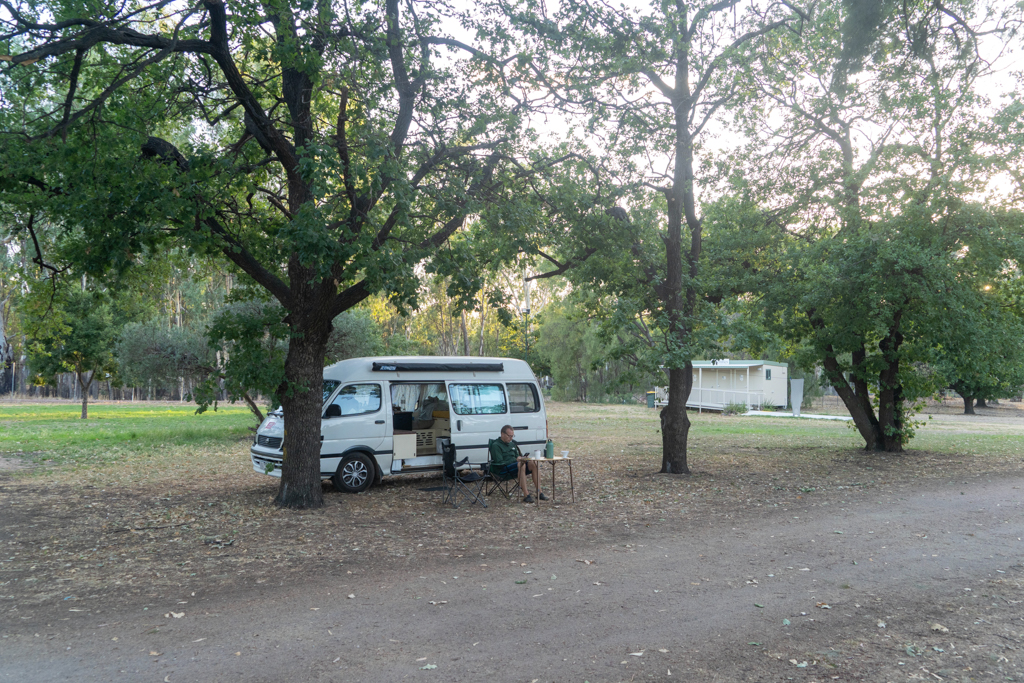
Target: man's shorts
511	470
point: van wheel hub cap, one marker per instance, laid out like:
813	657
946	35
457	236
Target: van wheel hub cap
354	473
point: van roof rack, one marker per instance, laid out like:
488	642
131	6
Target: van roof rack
406	366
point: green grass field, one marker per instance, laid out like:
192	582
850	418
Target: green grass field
55	433
713	434
171	441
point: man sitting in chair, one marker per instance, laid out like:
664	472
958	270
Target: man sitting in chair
507	459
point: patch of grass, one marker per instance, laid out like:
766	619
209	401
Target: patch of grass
55	434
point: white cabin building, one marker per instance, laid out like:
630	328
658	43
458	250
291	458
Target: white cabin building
716	383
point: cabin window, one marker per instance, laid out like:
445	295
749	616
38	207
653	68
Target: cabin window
423	399
767	373
522	398
477	399
329	386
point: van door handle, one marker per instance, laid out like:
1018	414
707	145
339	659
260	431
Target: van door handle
523	427
458	425
379	422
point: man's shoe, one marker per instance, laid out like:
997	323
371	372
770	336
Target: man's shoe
543	497
529	498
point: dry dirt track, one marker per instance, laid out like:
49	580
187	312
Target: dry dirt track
706	604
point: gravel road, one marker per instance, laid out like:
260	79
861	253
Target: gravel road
925	584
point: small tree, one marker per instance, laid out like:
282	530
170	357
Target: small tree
76	335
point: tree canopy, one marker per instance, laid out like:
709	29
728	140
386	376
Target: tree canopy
324	150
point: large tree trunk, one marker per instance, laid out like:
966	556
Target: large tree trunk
680	206
675	423
981	403
890	392
301	397
968	405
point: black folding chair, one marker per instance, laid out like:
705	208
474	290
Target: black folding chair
507	485
456	482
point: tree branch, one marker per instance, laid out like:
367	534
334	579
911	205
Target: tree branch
75	70
561	268
341	143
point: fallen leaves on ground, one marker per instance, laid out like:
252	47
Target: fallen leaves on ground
200	518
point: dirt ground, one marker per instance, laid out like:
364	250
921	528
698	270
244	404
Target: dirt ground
914	570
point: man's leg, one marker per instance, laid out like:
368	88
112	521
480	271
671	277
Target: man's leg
522	479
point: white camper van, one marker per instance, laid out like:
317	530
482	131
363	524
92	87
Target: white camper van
384	416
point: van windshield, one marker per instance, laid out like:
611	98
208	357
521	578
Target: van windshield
329	386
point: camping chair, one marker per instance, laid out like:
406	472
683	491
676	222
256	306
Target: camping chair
456	482
508	485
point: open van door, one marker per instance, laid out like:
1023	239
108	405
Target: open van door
478	412
526	415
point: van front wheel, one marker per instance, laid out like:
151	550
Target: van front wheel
354	475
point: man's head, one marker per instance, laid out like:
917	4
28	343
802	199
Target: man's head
507	433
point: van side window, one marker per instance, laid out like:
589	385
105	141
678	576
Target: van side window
477	399
522	398
358	399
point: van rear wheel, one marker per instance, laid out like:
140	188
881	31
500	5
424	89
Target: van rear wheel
354	475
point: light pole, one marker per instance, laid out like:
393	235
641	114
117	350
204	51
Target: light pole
526	318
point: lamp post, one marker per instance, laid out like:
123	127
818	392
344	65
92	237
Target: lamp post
526	318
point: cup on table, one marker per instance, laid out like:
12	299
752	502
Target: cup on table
565	454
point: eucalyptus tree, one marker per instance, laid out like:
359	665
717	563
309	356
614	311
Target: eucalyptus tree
650	85
872	141
324	149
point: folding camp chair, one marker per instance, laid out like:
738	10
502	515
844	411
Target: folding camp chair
507	485
456	482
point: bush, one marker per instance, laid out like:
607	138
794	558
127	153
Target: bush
734	409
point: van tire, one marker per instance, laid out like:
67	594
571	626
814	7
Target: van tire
355	474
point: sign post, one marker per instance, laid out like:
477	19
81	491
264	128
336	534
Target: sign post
796	395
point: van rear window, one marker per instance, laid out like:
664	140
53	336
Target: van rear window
477	399
522	398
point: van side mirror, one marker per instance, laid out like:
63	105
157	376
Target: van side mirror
333	410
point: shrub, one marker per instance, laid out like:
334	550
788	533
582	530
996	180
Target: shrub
734	409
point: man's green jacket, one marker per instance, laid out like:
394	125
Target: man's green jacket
504	453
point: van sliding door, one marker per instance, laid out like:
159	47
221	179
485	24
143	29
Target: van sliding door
525	416
478	412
